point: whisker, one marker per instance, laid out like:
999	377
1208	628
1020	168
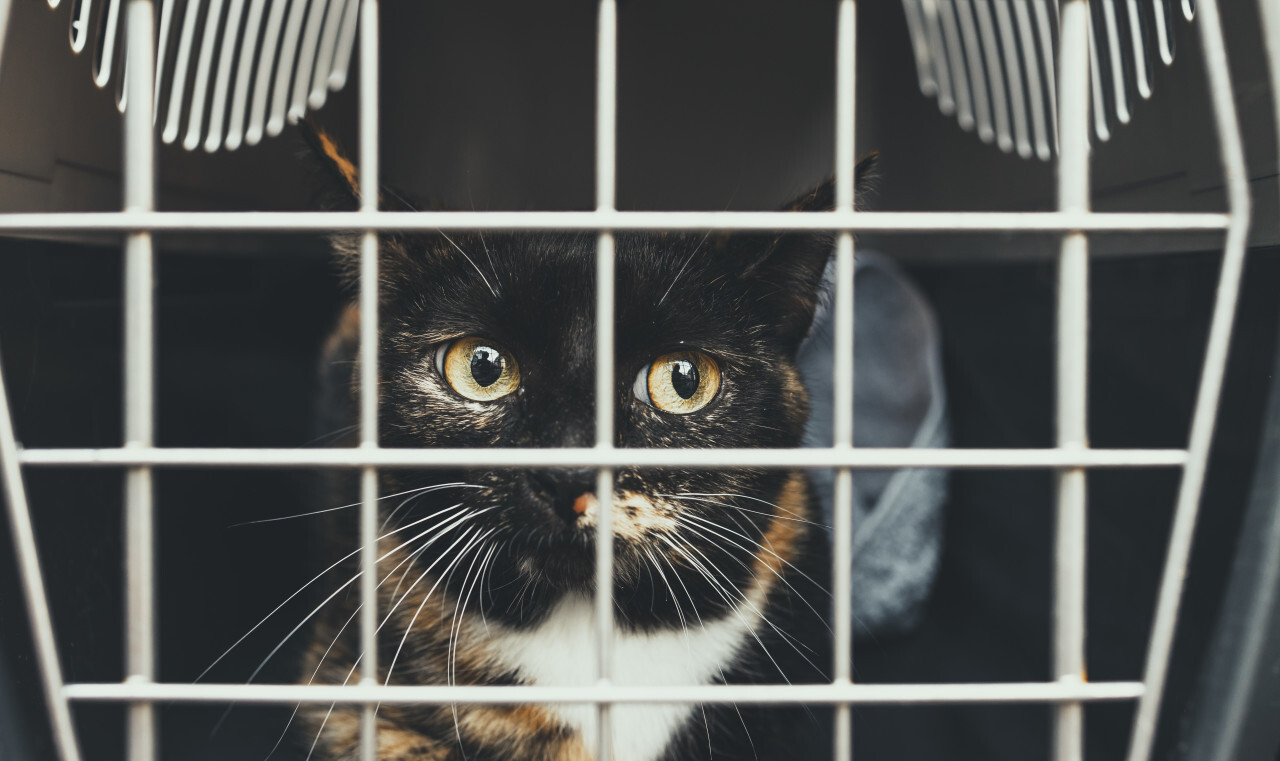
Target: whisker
421	490
473	263
697	498
461	553
789	638
785	636
439	533
724	594
455	632
749	498
713	525
683	267
303	588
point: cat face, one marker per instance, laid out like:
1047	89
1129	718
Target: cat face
489	341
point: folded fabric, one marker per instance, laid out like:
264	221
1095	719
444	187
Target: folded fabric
899	401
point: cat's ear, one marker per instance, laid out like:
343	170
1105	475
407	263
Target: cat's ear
341	192
342	176
341	188
789	267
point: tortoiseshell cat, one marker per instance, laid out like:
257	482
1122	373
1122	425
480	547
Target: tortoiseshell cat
486	576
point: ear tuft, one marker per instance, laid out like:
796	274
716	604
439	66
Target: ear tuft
790	268
345	177
823	197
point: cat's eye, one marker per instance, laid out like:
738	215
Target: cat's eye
680	382
478	368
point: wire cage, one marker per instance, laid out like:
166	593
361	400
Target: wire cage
1154	191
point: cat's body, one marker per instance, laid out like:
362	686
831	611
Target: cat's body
486	575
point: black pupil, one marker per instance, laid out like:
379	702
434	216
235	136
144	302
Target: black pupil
486	365
684	378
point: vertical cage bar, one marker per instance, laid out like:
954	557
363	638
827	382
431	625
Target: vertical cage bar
28	558
369	372
4	26
842	523
27	553
1215	361
606	162
139	375
1072	378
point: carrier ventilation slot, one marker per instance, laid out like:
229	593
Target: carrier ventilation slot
992	63
228	72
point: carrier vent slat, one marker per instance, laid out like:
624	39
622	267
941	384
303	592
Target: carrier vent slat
993	64
249	66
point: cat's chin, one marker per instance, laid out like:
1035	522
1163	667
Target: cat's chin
565	559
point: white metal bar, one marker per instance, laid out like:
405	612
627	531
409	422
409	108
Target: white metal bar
862	693
973	62
1139	46
262	75
342	55
5	7
307	59
369	186
1013	75
842	370
105	58
862	458
955	61
244	71
1203	419
139	375
995	74
1162	32
80	27
162	47
920	46
1044	33
28	559
432	221
182	59
1101	127
1037	98
285	66
1072	378
941	70
324	58
606	180
222	86
1119	93
204	70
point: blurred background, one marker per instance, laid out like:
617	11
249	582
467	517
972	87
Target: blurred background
722	105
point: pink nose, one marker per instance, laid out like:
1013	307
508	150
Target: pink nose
583	501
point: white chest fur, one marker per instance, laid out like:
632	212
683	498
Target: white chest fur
558	652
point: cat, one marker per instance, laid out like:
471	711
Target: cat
486	575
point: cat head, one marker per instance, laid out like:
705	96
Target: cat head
489	341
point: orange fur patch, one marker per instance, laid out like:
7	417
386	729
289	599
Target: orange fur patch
344	165
346	332
783	535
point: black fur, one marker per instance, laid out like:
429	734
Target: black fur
747	301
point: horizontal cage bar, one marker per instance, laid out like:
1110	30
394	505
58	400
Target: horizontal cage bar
434	221
993	692
865	458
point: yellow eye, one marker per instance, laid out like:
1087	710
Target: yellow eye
478	368
680	382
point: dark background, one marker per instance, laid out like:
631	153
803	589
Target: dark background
722	105
238	339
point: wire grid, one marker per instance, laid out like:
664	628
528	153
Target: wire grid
1068	689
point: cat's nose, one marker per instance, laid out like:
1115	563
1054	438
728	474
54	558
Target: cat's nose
562	489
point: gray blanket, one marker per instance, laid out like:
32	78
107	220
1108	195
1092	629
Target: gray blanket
899	401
